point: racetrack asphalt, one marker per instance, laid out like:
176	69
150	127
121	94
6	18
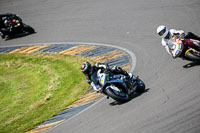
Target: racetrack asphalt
172	101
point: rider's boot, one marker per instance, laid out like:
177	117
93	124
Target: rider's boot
119	70
191	35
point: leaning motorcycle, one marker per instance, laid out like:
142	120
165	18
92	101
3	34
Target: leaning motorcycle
116	86
186	52
15	26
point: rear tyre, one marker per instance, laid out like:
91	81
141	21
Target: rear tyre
192	56
118	96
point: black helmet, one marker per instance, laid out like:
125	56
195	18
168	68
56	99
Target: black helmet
86	68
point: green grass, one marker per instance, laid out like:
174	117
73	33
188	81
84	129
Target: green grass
34	87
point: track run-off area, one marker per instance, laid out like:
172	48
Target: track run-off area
172	101
105	53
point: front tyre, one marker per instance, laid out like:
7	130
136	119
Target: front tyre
193	56
118	96
140	86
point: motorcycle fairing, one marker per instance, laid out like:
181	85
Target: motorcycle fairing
105	80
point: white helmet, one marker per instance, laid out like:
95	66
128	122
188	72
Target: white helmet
162	31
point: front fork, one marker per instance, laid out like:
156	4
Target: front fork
133	85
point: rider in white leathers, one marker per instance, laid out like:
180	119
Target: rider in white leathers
168	39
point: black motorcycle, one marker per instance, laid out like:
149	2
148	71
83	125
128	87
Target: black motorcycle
12	25
116	87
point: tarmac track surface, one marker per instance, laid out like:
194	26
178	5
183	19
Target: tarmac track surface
171	104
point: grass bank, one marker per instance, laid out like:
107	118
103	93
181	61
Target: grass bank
34	87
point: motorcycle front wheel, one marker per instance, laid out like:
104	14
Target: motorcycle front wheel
141	86
192	56
118	96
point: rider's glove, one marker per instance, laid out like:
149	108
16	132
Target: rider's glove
172	47
88	80
182	35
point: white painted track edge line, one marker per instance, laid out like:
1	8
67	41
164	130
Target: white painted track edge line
75	115
131	54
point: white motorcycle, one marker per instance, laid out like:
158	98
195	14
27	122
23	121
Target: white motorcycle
185	51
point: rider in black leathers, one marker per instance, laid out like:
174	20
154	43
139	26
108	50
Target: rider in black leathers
5	23
88	70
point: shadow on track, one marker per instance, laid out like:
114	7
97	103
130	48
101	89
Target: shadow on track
132	97
191	64
18	36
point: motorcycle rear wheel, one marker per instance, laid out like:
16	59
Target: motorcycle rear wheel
118	96
192	56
